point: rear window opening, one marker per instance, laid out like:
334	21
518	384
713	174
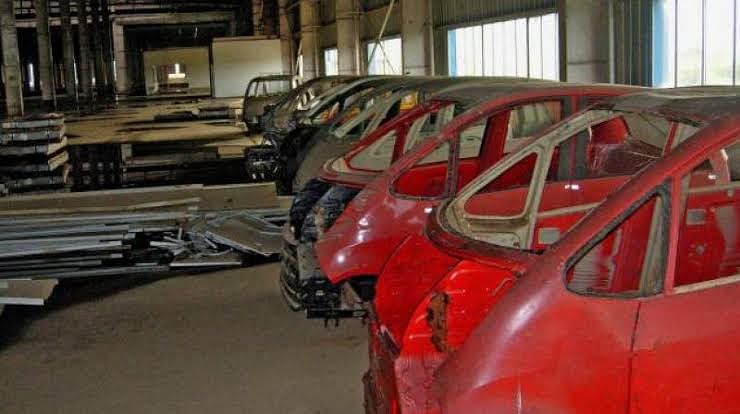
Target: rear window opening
709	231
379	155
628	260
550	184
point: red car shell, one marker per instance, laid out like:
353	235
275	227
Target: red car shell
512	366
375	223
546	348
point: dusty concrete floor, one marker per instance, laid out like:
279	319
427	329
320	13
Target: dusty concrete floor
219	343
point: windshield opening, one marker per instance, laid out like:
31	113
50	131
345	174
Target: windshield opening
356	118
305	97
336	107
532	197
379	155
271	87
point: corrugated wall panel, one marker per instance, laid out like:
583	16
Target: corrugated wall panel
372	21
459	12
633	42
328	35
327	11
374	4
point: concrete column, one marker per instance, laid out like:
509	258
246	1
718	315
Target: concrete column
257	14
97	43
119	51
68	47
348	36
46	79
107	52
11	61
84	63
586	50
286	38
416	37
310	38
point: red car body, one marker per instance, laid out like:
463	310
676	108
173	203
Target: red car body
395	205
549	346
341	178
322	200
340	171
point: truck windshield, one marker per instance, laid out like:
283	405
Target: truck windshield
530	198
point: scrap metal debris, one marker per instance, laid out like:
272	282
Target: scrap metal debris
246	233
135	232
88	245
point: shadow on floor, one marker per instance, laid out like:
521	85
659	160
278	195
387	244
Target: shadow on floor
14	319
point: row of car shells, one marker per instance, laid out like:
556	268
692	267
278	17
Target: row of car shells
528	246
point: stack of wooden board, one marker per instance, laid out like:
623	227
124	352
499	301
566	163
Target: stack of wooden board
33	156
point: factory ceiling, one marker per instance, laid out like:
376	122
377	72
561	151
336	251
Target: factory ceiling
25	10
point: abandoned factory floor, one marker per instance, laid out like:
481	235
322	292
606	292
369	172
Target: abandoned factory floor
220	342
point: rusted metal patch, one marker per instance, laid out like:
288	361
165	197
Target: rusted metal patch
437	320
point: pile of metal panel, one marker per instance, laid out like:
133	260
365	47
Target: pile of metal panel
137	232
202	161
91	245
33	156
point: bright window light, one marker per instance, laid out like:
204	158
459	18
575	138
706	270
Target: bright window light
331	62
525	47
388	58
31	77
695	42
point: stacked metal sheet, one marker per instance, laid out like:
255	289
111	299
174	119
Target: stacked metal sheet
33	156
134	232
93	245
60	247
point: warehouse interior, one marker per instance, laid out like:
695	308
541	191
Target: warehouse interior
327	206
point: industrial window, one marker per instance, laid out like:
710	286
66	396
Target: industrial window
331	62
299	65
387	59
31	77
525	47
695	42
525	121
